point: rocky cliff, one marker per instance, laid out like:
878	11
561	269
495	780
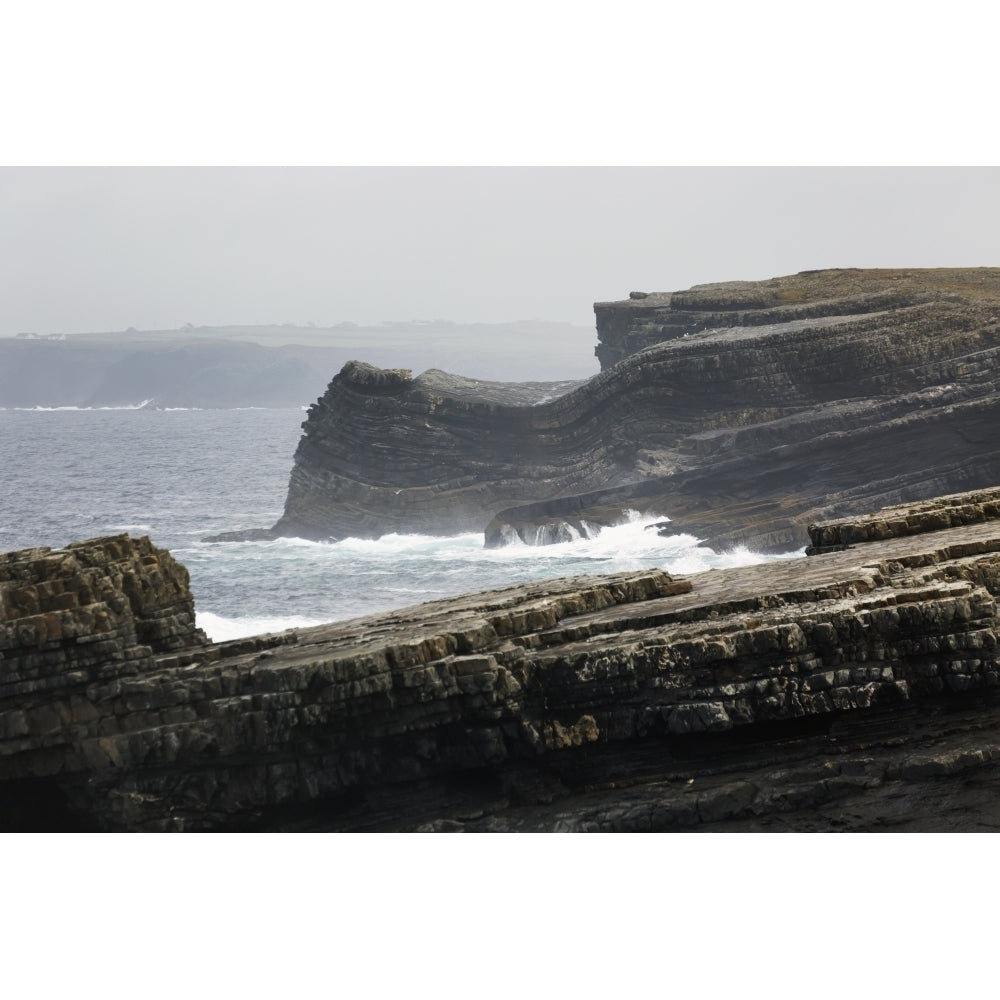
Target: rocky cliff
856	689
742	411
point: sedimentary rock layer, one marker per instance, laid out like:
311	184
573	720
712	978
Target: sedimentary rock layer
853	689
742	411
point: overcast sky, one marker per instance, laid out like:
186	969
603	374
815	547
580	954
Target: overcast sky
91	248
445	81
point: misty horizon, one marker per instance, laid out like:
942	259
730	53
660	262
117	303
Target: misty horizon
102	249
343	326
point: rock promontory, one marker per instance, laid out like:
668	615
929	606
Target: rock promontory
855	689
742	411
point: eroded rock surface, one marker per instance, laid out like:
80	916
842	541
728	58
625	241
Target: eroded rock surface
856	689
742	411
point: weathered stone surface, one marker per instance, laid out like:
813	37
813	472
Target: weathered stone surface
383	452
743	411
856	689
907	519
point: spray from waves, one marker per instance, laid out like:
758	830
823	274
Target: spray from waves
630	544
220	629
269	586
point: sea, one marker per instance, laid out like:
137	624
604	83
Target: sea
178	475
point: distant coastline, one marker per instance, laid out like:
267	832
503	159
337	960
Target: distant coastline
271	366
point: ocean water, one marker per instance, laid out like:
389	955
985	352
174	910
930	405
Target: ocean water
179	475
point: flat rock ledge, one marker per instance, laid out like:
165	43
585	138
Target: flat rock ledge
858	689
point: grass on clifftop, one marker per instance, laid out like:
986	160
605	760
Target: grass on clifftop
977	283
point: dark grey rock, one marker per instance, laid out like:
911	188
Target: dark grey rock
743	411
858	689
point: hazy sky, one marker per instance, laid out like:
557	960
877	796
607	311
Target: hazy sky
93	248
444	81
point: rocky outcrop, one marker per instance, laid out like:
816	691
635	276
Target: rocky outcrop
854	689
649	318
383	451
742	411
93	617
910	519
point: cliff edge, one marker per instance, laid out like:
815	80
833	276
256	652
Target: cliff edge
742	411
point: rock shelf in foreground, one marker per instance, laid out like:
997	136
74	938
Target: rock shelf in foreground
856	689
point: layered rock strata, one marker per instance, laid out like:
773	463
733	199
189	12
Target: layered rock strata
855	689
742	411
93	617
649	318
383	451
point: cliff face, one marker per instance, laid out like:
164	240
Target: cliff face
384	452
742	411
648	318
856	689
78	627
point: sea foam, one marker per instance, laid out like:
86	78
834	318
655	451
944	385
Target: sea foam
221	629
320	582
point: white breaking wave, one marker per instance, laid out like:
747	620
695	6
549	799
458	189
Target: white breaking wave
220	629
78	409
181	476
624	546
320	582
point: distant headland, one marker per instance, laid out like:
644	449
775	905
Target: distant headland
283	365
742	410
